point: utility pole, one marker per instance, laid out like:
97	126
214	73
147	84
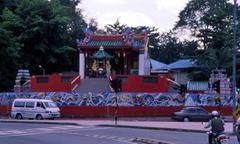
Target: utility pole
234	61
116	109
115	86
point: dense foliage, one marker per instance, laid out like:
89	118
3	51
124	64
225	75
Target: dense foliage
210	23
38	32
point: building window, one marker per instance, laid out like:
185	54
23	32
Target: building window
67	79
150	79
42	79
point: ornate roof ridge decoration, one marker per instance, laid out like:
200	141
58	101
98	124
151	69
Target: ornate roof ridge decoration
127	39
101	54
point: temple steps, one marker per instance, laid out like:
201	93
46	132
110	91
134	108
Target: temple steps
93	85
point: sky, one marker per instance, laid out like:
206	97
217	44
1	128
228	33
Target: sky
162	14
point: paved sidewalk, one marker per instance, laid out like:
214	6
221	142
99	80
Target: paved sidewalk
147	124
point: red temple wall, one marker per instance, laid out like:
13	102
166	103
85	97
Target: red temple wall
104	111
54	83
135	83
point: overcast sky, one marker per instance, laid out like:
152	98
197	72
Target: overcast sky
162	14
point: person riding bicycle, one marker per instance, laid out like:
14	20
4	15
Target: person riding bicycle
216	124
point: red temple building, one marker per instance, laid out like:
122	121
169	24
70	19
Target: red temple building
100	55
122	56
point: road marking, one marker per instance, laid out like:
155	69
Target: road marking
36	131
89	129
11	132
47	130
113	138
71	130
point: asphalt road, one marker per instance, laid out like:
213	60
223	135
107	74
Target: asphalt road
13	133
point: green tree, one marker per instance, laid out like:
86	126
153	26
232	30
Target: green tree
172	49
116	28
92	25
44	28
75	28
209	22
9	48
8	65
39	32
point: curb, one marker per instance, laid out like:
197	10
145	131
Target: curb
159	128
155	128
38	122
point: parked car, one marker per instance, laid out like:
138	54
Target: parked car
192	114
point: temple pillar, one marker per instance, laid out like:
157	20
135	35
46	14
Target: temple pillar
81	64
125	58
86	64
141	62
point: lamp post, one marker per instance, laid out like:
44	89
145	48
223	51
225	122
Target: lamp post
40	66
234	60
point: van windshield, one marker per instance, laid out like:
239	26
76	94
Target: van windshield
50	104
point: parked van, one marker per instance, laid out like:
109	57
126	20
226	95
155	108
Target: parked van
34	109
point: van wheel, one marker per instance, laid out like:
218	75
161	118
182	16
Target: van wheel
19	116
39	117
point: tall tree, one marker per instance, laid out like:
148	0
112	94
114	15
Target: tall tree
116	28
210	23
40	32
92	25
8	65
171	48
9	48
75	28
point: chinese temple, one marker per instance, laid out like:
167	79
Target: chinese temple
103	55
123	57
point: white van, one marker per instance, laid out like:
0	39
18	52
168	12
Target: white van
34	109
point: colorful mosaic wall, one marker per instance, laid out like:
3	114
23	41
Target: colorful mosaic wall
124	99
207	100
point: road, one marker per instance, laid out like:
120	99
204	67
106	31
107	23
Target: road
12	133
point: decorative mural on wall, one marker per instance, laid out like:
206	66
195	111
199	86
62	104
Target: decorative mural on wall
99	99
123	99
207	100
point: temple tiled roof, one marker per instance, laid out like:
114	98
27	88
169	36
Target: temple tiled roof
123	40
105	43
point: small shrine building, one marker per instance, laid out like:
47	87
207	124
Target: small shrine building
124	54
